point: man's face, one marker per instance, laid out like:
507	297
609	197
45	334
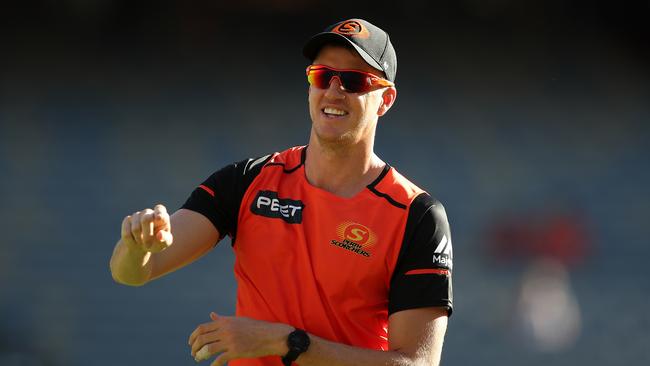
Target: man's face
342	117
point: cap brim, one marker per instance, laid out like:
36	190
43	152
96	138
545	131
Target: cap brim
318	41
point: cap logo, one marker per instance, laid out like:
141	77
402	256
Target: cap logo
351	28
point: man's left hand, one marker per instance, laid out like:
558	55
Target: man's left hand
235	337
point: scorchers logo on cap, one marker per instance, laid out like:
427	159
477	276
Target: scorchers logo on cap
355	238
351	28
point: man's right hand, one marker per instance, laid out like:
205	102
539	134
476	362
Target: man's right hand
145	251
148	230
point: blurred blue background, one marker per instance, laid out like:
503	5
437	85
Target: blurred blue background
514	114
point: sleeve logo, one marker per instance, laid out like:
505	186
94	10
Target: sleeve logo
268	204
443	254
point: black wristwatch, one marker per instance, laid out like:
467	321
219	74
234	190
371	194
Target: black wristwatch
298	342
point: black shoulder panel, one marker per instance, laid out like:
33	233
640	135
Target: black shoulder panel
422	275
218	198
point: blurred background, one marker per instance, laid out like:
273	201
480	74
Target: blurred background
529	120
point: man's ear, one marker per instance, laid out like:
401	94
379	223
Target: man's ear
387	99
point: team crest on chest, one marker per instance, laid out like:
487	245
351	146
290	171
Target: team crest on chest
355	238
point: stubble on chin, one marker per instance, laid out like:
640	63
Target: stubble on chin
337	144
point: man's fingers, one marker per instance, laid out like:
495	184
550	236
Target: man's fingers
160	209
201	329
210	338
161	217
203	353
165	236
146	223
136	228
149	229
209	350
162	223
126	228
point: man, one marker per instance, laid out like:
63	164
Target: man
340	260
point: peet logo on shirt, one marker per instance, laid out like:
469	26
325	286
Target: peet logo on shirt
268	204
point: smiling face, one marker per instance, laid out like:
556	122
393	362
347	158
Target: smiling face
342	118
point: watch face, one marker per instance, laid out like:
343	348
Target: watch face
299	341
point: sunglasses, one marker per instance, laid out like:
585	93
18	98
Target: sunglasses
353	81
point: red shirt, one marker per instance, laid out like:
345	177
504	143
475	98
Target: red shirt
336	267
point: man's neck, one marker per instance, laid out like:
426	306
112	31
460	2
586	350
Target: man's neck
343	170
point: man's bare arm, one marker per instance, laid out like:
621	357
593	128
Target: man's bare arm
153	244
415	339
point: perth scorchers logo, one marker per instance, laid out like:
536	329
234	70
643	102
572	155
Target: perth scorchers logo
351	28
355	238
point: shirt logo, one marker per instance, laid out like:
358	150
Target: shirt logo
351	28
443	254
355	238
268	204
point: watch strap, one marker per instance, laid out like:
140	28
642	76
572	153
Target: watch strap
297	342
291	356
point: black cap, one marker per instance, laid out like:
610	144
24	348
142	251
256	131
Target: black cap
370	41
